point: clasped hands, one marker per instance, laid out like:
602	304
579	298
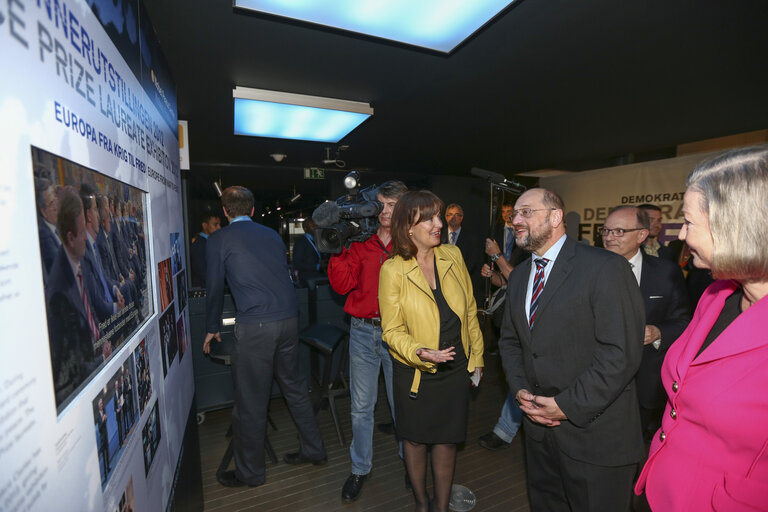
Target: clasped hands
540	409
442	356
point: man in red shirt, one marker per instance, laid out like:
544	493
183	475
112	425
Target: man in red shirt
356	272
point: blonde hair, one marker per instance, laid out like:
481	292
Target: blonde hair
734	188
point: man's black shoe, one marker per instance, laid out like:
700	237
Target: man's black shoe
298	458
229	479
353	487
386	428
491	441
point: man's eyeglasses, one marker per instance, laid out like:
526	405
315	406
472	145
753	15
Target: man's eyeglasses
527	212
618	232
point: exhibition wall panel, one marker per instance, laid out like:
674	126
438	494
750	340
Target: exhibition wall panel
95	388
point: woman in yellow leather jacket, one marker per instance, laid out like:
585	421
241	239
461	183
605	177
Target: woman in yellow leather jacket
429	321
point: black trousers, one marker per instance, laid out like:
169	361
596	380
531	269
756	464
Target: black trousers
558	483
263	351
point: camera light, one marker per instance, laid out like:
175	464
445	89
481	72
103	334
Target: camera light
352	180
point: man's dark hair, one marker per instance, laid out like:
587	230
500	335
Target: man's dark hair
208	215
392	189
70	206
237	201
648	206
87	195
41	185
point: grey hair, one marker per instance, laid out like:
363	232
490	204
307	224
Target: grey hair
734	189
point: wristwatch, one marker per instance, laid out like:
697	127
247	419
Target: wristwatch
495	257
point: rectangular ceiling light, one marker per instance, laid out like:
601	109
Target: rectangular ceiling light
435	24
283	115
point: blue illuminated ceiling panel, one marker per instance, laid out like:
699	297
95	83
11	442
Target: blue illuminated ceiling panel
282	115
435	24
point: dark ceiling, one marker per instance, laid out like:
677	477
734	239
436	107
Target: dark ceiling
548	84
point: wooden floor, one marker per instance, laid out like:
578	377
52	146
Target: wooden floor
496	478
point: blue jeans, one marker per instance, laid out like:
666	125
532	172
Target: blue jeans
509	421
367	353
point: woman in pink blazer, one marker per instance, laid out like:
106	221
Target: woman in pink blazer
711	452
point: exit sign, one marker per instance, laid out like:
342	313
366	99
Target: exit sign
314	173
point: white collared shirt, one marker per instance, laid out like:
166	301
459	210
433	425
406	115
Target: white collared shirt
458	234
550	255
636	262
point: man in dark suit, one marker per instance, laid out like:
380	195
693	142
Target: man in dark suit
667	312
652	246
47	210
251	258
210	224
307	260
468	244
109	298
101	419
107	253
72	328
571	343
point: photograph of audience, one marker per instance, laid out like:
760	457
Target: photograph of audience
114	415
176	256
168	341
91	231
150	438
181	335
181	290
143	379
164	285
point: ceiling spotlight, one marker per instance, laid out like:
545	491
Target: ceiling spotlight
217	188
294	198
278	157
352	180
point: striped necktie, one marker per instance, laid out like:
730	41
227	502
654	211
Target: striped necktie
453	238
538	286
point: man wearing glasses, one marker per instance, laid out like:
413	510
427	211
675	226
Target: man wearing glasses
571	343
667	310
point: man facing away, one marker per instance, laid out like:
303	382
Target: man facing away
665	297
251	258
571	343
356	271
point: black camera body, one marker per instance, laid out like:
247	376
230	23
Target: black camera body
353	217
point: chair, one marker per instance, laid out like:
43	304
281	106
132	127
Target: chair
221	353
325	341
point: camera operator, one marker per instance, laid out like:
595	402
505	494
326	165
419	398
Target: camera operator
356	271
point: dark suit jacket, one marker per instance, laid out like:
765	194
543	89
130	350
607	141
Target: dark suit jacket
666	307
584	350
49	245
72	345
471	250
518	255
665	252
305	259
197	257
251	258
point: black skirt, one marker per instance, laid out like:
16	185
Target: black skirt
438	414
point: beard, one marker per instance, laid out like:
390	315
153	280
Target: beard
534	241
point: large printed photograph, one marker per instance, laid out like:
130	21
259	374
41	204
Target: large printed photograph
94	254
